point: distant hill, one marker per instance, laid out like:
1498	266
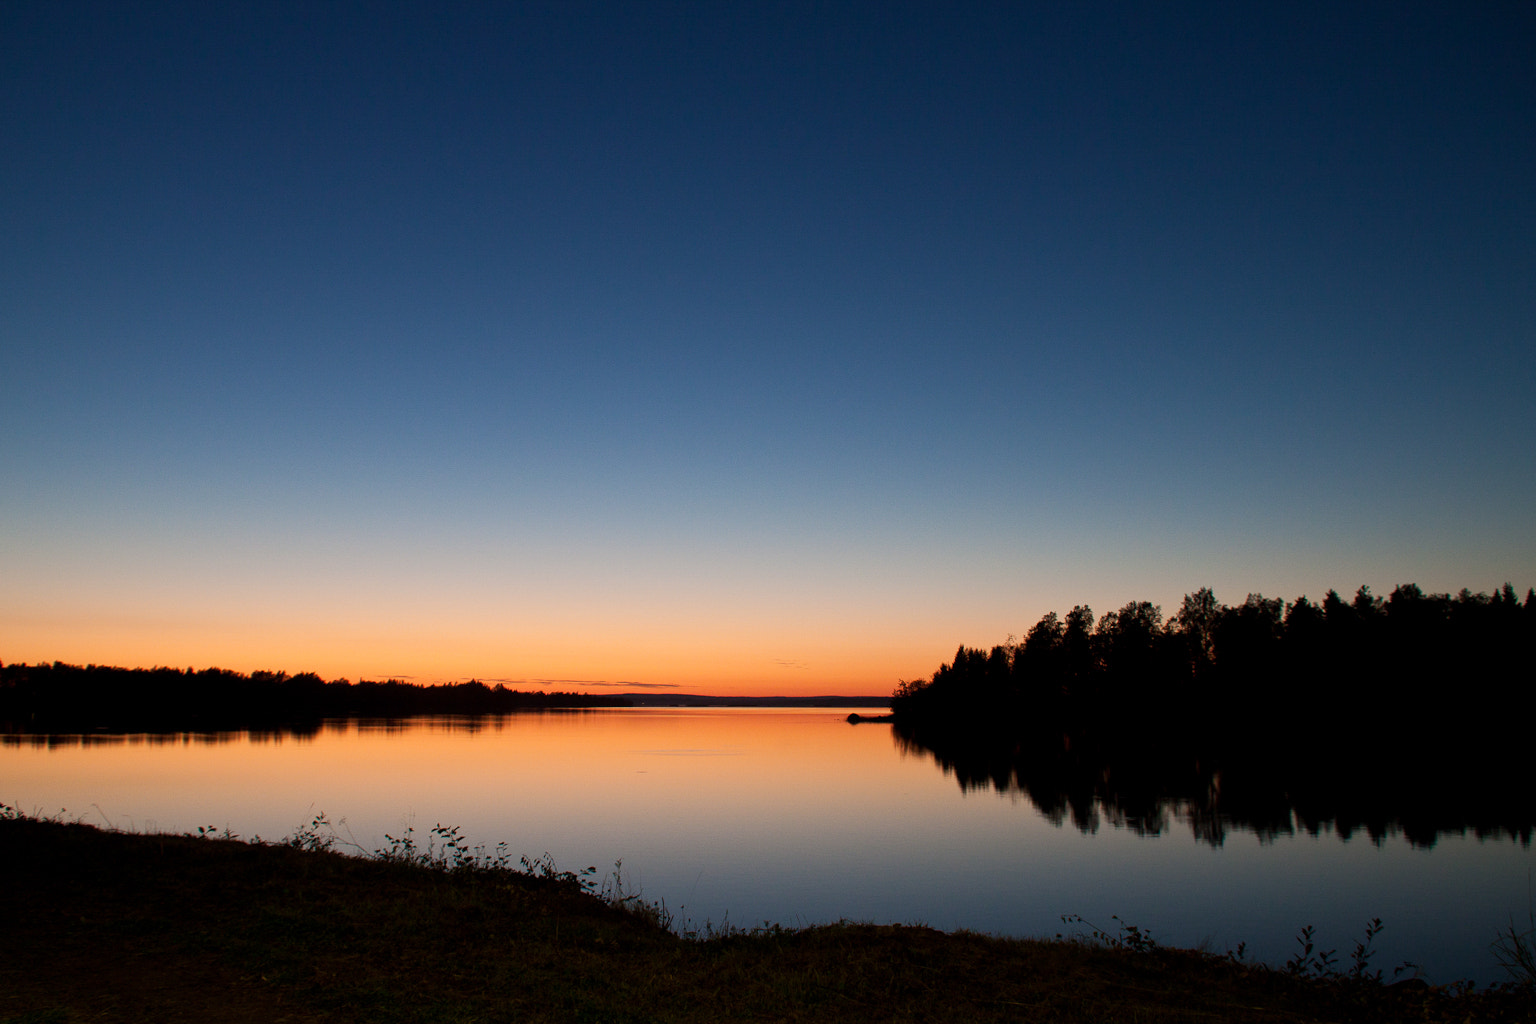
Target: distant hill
98	698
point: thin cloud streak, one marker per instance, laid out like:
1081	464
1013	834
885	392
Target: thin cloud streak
641	686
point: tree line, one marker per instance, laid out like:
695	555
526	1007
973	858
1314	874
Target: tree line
72	698
1412	711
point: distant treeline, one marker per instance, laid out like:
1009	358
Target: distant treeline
1414	713
74	698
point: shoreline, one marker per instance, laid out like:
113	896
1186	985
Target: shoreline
202	927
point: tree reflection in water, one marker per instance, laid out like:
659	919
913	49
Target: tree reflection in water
1150	792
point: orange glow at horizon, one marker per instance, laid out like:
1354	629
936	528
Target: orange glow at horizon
655	663
350	611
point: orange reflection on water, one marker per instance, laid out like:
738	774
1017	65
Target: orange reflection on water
516	777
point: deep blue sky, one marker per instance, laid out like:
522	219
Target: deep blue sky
767	347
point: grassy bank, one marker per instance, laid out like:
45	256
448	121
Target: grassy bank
103	925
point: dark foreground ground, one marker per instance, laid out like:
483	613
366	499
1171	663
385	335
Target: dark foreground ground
104	926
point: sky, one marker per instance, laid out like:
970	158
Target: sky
766	348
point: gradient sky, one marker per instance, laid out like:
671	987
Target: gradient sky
768	348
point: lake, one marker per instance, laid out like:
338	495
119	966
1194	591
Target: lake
793	816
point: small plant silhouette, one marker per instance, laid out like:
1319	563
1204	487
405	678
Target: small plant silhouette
318	836
1130	937
214	832
1516	951
616	891
1320	964
1324	963
1360	959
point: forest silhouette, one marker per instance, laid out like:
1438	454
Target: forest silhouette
60	698
1408	714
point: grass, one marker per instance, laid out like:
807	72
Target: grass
111	926
1515	950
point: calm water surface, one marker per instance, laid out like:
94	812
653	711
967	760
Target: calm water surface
790	816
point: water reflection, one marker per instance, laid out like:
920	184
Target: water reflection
753	815
1144	790
1149	791
64	741
300	732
